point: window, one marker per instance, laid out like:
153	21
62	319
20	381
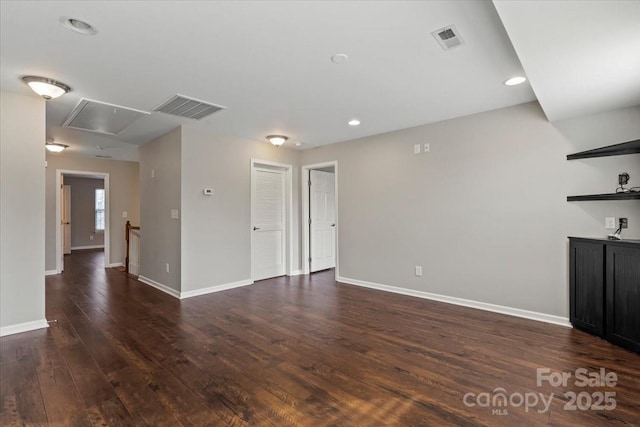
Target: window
99	208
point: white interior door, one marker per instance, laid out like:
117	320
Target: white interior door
268	223
66	219
322	229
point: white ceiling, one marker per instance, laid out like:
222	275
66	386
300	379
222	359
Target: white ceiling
582	57
268	62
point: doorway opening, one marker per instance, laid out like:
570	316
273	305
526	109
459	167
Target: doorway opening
320	217
82	214
271	219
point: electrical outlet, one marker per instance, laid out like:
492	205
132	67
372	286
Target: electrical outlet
125	214
416	149
174	214
167	267
610	223
90	236
427	147
624	223
418	270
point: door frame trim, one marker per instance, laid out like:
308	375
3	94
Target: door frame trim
288	220
305	213
107	226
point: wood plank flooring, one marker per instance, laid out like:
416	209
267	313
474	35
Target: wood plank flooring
299	351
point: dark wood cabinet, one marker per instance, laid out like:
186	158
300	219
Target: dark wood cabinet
605	289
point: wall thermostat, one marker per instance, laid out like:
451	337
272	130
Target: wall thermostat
208	191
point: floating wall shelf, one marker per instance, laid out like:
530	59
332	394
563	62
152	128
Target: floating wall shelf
611	196
630	147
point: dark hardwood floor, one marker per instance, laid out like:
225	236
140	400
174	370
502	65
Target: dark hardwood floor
300	351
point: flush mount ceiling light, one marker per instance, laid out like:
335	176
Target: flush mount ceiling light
353	122
277	140
515	81
78	26
45	87
54	147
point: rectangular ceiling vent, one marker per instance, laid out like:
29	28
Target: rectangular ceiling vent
101	117
183	106
448	37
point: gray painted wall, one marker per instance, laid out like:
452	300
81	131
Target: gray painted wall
216	236
125	196
485	211
160	234
22	132
83	211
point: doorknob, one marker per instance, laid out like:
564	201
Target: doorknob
256	228
333	225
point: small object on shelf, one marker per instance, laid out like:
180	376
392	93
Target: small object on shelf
623	179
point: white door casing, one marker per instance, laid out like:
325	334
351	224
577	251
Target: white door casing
60	173
66	220
322	220
333	165
268	242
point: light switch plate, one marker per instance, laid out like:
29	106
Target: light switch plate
125	214
610	223
427	147
174	214
416	149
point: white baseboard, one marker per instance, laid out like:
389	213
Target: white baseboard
296	273
517	312
164	288
23	327
51	272
115	264
216	288
79	248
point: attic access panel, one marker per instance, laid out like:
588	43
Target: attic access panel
102	117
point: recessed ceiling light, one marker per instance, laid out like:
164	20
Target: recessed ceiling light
78	26
515	81
277	140
45	87
54	147
339	58
353	122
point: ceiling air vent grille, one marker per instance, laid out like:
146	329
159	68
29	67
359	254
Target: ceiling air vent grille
183	106
448	37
